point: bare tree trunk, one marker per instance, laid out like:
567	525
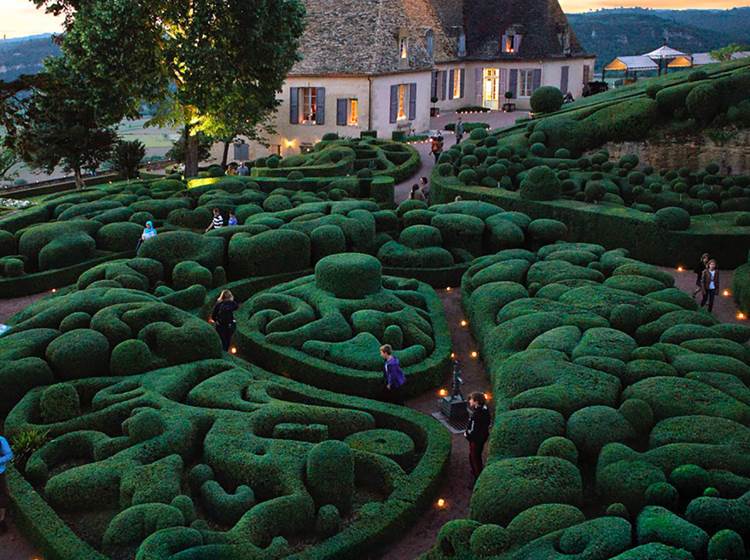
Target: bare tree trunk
191	153
78	177
225	155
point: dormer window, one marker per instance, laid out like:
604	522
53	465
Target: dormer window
403	48
461	43
429	43
563	35
510	42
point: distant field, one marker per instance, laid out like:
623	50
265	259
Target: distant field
157	140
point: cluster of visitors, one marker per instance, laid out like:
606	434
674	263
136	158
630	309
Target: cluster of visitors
217	221
420	191
241	169
436	146
707	280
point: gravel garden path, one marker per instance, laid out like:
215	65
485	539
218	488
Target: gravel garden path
457	484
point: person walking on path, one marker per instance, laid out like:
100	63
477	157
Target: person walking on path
223	317
477	431
148	232
217	221
424	185
393	376
436	146
699	268
416	193
459	130
6	456
243	170
710	284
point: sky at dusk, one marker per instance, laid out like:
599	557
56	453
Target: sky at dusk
20	17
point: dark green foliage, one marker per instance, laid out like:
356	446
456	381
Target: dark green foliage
330	474
726	545
489	540
702	102
541	183
59	402
350	276
546	99
327	521
672	218
79	353
126	156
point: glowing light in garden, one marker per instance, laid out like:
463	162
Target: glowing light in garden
726	293
741	316
474	354
448	289
443	392
453	355
233	350
488	396
54	290
680	268
464	323
442	503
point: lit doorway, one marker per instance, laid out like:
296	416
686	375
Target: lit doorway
491	89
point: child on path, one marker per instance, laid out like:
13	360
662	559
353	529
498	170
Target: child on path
392	374
232	219
216	222
699	268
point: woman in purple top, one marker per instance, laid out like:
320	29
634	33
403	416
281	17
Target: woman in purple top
392	374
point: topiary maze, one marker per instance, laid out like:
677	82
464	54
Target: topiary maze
555	167
621	409
622	413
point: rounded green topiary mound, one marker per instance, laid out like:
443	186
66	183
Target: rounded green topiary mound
79	353
673	218
59	402
489	540
330	474
349	275
541	183
546	99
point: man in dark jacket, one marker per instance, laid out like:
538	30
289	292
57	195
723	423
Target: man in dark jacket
477	431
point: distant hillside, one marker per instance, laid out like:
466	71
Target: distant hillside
631	31
24	55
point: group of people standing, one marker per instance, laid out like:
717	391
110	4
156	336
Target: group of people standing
241	169
217	220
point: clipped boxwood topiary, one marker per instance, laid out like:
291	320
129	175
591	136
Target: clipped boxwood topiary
672	218
544	230
546	99
349	275
489	540
541	183
330	474
59	402
79	353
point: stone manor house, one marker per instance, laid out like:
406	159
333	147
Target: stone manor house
376	65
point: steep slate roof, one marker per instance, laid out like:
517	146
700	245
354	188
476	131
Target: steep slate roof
361	36
541	20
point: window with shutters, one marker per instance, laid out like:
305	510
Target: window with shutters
308	105
525	83
352	118
457	85
586	73
461	43
403	48
510	41
429	40
403	102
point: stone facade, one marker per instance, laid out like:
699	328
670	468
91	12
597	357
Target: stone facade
391	56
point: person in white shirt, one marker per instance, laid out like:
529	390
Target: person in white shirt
217	221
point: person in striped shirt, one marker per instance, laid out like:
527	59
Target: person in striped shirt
216	222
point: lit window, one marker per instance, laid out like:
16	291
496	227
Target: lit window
526	82
353	113
457	84
403	102
403	48
508	46
308	105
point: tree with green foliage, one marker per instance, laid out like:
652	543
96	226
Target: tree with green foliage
724	54
8	160
60	125
177	151
126	157
213	67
